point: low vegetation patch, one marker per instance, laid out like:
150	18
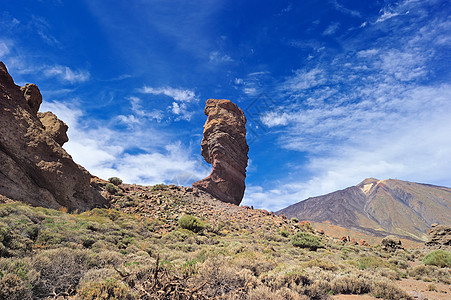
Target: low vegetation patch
438	258
306	240
115	180
191	223
110	254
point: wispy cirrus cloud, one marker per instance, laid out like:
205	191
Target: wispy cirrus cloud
139	115
4	50
66	74
183	95
345	10
331	29
371	111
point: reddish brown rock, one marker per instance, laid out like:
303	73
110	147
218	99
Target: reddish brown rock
224	146
362	242
34	168
54	127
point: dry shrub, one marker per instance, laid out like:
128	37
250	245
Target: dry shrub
256	262
324	264
108	258
387	290
218	278
15	279
422	272
351	284
264	292
389	274
59	271
400	263
104	286
13	287
370	262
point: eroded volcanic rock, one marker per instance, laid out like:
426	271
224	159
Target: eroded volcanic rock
224	146
34	168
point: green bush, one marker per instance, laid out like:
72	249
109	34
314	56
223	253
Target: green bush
191	223
159	187
111	188
306	240
284	233
294	220
115	180
438	258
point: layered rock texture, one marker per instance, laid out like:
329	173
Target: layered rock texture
380	208
34	168
224	146
440	237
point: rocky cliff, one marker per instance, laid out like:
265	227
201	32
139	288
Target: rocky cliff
224	146
34	168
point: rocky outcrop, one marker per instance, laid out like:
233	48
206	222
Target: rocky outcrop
391	243
54	127
34	168
224	146
439	237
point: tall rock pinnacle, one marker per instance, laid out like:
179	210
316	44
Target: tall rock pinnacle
224	146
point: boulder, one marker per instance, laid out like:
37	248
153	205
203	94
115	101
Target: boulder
224	146
391	243
439	237
34	168
54	127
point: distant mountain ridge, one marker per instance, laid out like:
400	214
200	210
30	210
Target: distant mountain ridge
379	207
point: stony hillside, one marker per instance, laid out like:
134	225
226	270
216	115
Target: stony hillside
379	208
170	242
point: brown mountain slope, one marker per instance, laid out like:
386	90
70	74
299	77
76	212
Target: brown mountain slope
379	207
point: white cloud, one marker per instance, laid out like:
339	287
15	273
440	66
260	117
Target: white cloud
139	115
331	29
250	91
371	111
399	9
272	119
345	10
404	66
238	81
104	151
66	73
181	110
182	95
367	53
216	57
4	50
303	80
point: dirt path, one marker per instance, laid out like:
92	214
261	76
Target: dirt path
425	290
354	297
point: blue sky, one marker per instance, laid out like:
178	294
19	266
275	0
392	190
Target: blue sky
334	91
